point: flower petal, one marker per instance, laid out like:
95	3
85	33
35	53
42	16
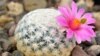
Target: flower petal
80	13
69	33
89	18
89	30
87	26
74	7
64	11
78	38
82	35
62	21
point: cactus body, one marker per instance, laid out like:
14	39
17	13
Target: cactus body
38	34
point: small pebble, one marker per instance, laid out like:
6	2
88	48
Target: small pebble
0	50
12	30
3	33
94	50
15	8
17	53
4	40
6	54
5	44
97	38
8	25
78	51
5	19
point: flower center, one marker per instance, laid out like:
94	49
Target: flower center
75	24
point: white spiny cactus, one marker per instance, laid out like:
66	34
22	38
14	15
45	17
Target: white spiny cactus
38	34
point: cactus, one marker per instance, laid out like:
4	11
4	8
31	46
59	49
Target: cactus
37	34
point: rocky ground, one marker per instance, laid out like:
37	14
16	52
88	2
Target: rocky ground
9	17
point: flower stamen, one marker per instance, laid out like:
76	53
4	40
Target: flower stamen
83	20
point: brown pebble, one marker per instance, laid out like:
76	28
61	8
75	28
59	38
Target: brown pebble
5	19
6	54
8	25
17	53
13	41
12	30
78	51
94	50
15	8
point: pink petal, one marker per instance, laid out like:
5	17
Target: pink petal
78	38
91	32
86	26
69	33
89	18
82	35
87	14
80	13
64	11
86	34
62	21
89	29
74	7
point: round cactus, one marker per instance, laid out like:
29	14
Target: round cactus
38	34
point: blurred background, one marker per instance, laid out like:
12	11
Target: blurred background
15	9
11	11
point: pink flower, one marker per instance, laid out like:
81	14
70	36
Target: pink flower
76	22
